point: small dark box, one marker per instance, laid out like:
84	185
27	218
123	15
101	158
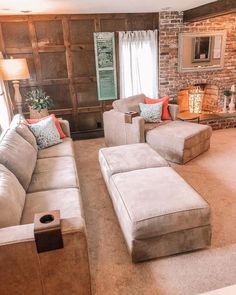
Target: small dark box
129	116
47	231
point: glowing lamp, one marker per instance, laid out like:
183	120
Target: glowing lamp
195	100
15	70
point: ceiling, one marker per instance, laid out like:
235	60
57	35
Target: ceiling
94	6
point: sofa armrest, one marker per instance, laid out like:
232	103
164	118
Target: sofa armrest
24	271
65	127
135	131
117	132
174	110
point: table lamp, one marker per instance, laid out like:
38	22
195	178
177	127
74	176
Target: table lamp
15	70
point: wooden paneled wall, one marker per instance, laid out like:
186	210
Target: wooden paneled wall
60	54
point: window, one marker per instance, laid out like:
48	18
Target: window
4	110
138	55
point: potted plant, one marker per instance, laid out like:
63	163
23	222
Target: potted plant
38	103
227	92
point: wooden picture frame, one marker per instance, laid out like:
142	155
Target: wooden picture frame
202	51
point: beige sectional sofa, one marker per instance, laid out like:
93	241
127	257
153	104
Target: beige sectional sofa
33	181
176	141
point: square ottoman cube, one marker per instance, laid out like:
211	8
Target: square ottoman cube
159	213
180	142
126	158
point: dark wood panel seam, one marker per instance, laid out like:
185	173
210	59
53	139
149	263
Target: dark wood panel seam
36	56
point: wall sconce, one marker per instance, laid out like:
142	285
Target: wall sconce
15	70
195	100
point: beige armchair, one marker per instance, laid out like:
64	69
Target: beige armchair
117	132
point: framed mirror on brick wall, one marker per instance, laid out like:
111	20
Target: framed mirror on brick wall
201	51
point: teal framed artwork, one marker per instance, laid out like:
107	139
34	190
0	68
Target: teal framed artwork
104	45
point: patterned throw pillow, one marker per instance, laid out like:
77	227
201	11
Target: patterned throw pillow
151	112
165	110
46	133
56	120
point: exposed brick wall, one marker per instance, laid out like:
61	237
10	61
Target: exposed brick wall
170	25
220	123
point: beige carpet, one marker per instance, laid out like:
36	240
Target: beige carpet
213	175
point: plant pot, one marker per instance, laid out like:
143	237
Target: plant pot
34	114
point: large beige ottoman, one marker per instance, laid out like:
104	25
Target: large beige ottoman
159	213
180	142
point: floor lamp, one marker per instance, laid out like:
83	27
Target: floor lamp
15	70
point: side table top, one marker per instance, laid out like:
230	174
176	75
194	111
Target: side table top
188	116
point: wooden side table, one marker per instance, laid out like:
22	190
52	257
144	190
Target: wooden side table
186	116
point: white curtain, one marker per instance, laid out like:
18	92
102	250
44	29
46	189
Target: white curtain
138	55
5	113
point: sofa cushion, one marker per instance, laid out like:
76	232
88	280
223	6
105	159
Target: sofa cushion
130	157
19	124
188	140
12	198
24	131
54	173
150	126
65	200
18	155
129	104
185	134
46	133
162	202
54	164
60	150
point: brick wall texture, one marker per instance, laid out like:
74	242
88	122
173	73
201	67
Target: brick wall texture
171	81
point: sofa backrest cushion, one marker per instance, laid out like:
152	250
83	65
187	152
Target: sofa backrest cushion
18	156
129	104
12	198
19	124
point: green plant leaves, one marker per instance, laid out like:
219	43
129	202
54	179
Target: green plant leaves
38	100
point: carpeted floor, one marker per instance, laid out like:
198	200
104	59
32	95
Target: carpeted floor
213	175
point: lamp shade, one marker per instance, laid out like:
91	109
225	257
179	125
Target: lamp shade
14	69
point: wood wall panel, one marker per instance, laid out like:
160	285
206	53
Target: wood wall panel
49	33
83	62
90	121
53	65
16	35
113	25
87	94
209	10
141	22
60	54
60	95
81	31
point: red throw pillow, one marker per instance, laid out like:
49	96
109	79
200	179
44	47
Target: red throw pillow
56	121
165	112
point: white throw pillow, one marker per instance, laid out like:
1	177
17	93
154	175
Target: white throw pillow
46	133
151	112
